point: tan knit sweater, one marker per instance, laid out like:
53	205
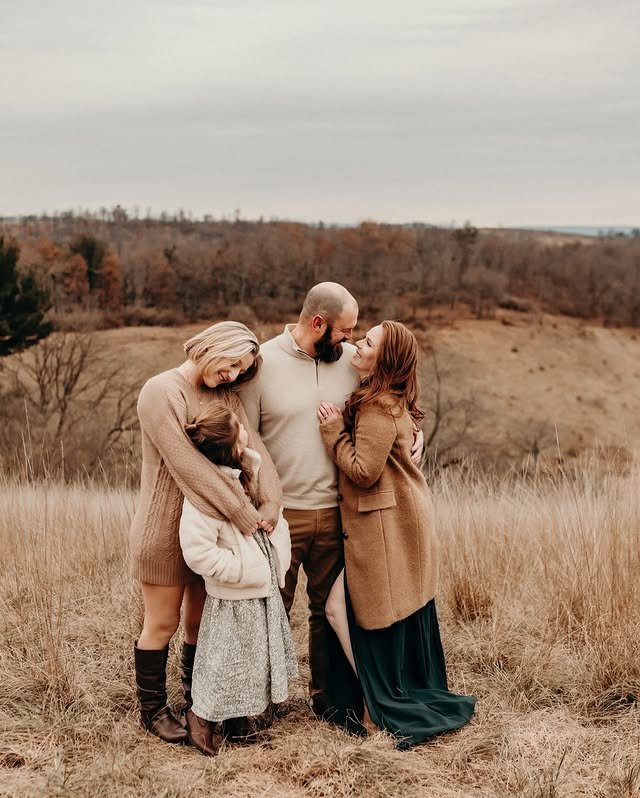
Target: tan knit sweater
173	468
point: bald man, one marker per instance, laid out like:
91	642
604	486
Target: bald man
308	363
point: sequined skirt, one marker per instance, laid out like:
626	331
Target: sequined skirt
245	657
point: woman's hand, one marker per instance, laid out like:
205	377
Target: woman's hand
266	526
328	411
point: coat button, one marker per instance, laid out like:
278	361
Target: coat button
345	535
340	497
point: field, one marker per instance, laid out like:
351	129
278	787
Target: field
540	611
512	391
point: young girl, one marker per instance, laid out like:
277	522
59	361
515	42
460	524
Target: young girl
245	655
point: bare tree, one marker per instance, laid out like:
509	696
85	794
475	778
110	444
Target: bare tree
74	391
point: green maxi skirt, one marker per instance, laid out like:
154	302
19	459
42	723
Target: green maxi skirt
401	676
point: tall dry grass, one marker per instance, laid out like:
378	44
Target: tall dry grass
540	616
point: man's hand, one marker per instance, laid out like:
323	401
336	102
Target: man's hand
418	446
327	411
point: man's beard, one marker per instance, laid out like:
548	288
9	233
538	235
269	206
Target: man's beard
325	350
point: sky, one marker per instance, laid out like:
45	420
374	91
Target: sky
439	111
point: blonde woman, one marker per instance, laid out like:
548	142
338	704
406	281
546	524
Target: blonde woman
218	359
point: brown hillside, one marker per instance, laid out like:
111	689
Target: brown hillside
544	381
521	380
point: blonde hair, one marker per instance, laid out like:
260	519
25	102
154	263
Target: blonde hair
226	340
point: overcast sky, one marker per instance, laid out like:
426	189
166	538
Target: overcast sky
501	112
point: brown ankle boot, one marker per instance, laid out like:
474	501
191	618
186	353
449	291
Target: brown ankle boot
186	663
155	715
204	735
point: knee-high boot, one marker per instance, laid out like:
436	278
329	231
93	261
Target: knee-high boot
151	679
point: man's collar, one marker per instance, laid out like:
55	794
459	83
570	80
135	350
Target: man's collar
288	343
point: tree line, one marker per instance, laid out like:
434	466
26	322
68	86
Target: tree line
112	270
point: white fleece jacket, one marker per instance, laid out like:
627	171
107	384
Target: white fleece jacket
232	564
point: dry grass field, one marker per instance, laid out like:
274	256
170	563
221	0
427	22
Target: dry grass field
540	613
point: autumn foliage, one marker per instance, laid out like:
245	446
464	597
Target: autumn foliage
169	270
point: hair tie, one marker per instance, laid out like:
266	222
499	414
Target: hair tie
193	427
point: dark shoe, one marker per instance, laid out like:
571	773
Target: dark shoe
321	706
155	715
266	718
203	734
247	730
186	664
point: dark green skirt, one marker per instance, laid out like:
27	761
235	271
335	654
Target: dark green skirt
402	677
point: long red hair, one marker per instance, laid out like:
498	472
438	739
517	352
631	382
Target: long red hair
395	374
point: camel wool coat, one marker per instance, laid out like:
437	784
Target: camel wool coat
390	547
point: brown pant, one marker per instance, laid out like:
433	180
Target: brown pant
316	544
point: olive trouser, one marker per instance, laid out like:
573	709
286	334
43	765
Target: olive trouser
317	545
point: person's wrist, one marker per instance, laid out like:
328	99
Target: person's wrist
269	511
245	518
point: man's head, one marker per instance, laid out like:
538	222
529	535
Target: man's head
329	314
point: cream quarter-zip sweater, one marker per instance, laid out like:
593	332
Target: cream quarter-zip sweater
282	402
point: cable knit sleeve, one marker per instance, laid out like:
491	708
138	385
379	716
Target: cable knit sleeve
269	491
162	411
363	457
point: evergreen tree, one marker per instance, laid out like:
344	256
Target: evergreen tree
23	303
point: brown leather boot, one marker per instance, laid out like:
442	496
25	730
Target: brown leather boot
204	735
155	715
186	663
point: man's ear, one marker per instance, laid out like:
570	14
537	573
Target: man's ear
318	324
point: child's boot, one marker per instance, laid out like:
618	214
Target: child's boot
246	730
204	735
151	683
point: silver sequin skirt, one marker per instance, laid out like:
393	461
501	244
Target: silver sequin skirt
245	656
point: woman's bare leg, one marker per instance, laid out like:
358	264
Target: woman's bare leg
161	615
192	606
336	612
161	620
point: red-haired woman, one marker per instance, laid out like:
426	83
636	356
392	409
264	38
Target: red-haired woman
382	606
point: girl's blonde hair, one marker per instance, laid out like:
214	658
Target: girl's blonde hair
226	340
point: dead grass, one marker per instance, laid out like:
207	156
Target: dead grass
540	615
